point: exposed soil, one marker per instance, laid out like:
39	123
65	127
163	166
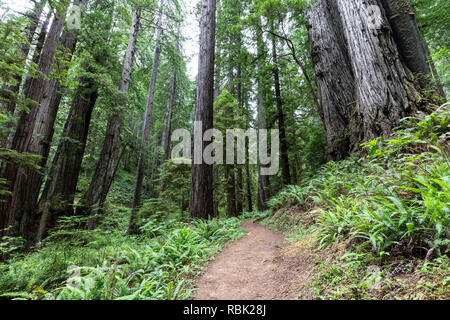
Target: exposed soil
260	266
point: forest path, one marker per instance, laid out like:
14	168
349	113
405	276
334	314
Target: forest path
255	267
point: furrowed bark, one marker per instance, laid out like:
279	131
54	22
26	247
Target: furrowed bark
363	85
412	48
11	105
30	181
59	191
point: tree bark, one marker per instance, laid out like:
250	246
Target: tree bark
230	184
263	180
13	91
201	196
364	88
59	191
132	228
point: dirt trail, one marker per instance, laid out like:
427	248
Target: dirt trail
254	268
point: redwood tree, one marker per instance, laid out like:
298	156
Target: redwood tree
201	197
364	83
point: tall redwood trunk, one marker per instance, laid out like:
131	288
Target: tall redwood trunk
286	174
263	180
92	201
364	85
11	104
59	192
201	197
132	228
230	184
230	169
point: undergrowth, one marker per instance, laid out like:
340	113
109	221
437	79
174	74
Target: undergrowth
161	263
386	211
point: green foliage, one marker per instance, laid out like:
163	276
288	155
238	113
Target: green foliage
158	264
226	112
121	188
288	196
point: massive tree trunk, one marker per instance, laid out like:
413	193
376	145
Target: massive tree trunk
216	179
16	219
92	201
201	197
132	228
41	39
364	87
286	174
57	198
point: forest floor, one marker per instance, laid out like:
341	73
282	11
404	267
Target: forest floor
260	266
